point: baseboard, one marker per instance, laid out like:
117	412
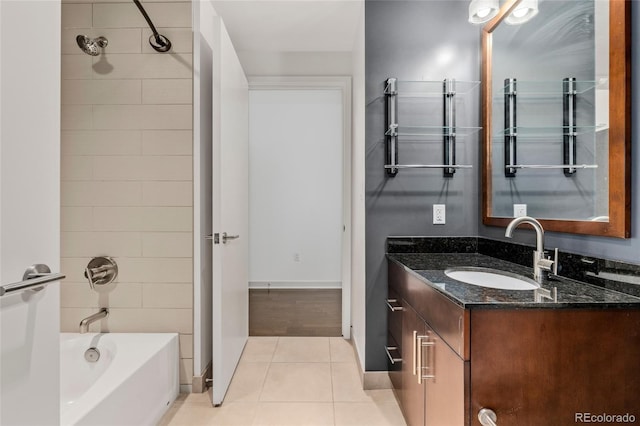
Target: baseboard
200	382
371	380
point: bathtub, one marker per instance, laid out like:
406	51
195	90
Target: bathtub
134	381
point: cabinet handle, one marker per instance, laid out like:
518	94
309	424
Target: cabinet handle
393	308
415	346
424	342
388	350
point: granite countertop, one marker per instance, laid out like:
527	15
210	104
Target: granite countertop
570	293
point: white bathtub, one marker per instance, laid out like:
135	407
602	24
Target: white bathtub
133	383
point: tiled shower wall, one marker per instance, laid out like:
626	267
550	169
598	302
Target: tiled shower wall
127	169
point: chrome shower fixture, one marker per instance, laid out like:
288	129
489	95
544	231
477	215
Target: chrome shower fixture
91	46
158	42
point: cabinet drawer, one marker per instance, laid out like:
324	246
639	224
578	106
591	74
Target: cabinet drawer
394	315
395	361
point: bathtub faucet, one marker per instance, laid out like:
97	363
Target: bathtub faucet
84	324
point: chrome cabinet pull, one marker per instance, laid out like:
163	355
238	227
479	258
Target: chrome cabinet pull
415	340
226	237
388	350
424	342
487	417
35	277
393	308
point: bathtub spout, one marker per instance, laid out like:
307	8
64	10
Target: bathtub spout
84	324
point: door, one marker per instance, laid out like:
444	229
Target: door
29	210
230	212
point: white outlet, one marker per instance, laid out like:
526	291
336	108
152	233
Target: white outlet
439	214
519	210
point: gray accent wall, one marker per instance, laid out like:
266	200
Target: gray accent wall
627	250
415	40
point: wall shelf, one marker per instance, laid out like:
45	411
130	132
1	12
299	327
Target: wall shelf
447	90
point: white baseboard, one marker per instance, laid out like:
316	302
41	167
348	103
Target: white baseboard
371	379
294	285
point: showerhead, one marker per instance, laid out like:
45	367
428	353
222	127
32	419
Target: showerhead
91	46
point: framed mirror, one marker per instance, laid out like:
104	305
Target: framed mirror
556	104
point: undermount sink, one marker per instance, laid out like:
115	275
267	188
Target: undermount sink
492	278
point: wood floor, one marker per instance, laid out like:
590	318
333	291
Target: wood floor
294	312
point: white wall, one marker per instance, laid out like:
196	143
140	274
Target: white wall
295	169
296	63
29	209
358	289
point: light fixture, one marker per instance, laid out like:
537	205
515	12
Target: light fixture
481	11
523	12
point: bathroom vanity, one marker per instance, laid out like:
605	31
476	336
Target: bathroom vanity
533	357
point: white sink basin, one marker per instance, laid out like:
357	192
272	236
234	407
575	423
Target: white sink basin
492	278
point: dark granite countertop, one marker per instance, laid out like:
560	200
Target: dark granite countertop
570	293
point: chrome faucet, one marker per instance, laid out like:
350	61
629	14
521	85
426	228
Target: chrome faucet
84	324
541	264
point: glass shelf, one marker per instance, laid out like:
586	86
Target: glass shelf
429	89
532	132
549	88
432	131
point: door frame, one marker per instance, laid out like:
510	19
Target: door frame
343	84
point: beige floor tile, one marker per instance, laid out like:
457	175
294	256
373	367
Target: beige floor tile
302	349
367	414
229	414
308	382
294	414
259	349
341	350
346	383
246	384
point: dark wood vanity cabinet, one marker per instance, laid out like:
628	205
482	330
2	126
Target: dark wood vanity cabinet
531	366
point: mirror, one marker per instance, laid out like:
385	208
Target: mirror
556	117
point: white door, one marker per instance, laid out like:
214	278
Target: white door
230	213
29	209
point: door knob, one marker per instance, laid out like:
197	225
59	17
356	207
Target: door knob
226	237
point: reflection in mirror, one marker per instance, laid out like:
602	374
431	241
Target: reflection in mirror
547	124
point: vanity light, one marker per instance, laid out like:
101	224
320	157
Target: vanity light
526	10
481	11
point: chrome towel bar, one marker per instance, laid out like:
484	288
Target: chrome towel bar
37	275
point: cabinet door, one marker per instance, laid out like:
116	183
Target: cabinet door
444	374
412	396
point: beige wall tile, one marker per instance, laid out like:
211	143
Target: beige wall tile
101	142
186	371
73	268
167	168
120	40
76	218
167	219
181	39
116	244
75	168
156	270
76	15
76	66
101	193
167	142
76	117
167	295
142	117
70	319
122	66
117	218
167	244
150	320
167	194
127	15
186	345
167	91
118	168
121	295
101	92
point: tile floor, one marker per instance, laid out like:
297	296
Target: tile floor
292	381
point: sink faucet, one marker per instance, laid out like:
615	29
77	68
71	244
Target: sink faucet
541	264
84	324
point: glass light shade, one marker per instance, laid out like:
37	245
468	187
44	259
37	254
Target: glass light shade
481	11
526	10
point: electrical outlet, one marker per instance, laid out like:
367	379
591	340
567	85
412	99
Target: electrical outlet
296	257
439	214
519	210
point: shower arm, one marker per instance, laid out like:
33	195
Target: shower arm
163	42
